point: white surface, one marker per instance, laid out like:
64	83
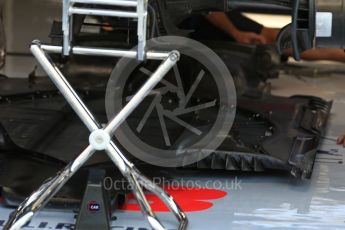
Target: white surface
324	24
271	21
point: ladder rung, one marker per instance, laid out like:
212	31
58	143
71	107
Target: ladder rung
129	3
106	52
106	13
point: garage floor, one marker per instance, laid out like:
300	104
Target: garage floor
253	201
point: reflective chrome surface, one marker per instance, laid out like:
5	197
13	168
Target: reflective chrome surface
38	199
108	13
129	3
151	55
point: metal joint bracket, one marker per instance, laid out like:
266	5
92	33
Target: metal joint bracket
99	139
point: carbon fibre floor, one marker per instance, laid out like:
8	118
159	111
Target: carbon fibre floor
252	201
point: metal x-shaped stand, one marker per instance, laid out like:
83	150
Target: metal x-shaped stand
100	139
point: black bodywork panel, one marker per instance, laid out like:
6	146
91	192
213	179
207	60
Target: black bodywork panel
41	134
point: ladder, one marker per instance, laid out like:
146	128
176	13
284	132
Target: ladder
135	9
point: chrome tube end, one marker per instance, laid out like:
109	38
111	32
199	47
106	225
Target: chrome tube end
36	43
175	56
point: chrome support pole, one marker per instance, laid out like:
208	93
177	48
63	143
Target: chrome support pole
64	87
137	180
105	13
127	3
142	28
156	77
66	27
41	197
151	55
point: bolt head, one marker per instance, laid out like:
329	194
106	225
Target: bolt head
99	139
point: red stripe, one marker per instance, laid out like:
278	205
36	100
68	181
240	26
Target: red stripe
189	199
